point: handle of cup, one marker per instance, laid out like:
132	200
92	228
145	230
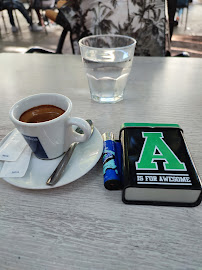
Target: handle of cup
82	124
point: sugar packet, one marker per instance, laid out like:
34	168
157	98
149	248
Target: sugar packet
19	167
13	147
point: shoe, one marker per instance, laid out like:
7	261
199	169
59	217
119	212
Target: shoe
14	29
35	28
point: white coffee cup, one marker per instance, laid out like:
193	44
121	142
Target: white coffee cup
50	139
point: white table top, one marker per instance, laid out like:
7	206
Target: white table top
82	225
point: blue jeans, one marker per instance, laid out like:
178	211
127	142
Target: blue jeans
15	4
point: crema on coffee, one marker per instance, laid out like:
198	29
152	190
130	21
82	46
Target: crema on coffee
41	113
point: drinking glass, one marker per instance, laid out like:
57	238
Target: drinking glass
107	60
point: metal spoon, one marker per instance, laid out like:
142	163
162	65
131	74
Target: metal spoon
56	175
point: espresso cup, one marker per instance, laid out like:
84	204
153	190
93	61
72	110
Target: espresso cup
51	138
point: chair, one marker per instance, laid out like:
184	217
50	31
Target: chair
59	19
58	49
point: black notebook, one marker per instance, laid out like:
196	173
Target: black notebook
157	166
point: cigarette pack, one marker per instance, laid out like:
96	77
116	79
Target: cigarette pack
157	166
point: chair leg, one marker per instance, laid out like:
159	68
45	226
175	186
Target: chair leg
31	13
4	22
182	17
72	44
186	19
17	20
61	41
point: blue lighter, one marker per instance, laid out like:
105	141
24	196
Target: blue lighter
112	179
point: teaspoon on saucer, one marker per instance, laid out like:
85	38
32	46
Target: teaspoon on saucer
56	175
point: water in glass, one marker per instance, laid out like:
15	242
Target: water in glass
107	80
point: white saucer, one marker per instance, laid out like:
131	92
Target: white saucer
83	159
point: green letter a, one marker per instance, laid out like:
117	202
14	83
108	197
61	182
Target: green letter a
154	142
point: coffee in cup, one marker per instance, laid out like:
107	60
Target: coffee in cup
41	113
45	122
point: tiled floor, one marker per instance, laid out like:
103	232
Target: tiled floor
21	41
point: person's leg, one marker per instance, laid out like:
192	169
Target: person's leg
171	13
18	5
10	14
180	12
39	16
12	22
7	5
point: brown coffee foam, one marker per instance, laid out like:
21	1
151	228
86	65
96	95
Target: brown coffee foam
41	113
